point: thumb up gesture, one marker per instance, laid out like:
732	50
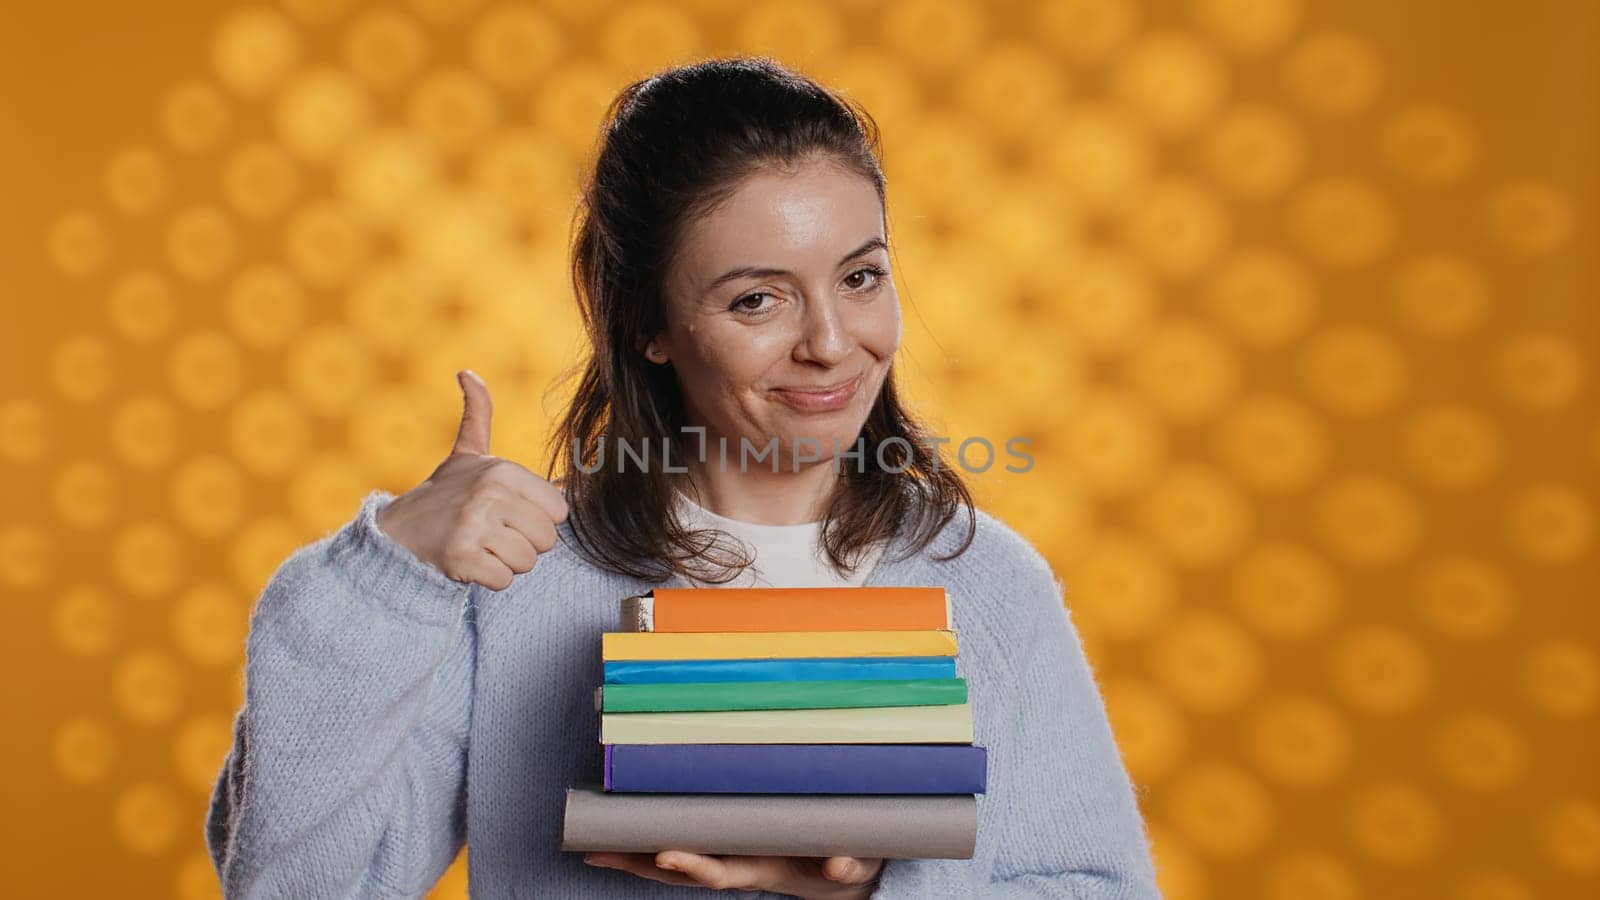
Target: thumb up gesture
478	518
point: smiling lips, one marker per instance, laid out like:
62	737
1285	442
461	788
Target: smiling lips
819	399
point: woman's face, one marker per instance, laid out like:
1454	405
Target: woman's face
782	290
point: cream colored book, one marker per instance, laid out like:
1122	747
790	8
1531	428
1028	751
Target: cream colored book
945	724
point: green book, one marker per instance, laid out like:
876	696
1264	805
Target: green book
729	695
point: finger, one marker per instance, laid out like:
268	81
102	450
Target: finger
531	487
486	569
849	869
618	860
511	548
476	411
534	527
613	858
720	872
642	865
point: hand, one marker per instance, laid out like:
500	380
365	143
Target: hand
813	878
478	518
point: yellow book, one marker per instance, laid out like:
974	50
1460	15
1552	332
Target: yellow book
945	724
635	645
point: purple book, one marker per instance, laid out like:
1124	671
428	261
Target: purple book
796	768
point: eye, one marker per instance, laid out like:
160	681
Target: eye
739	305
874	271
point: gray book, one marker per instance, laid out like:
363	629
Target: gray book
886	826
638	613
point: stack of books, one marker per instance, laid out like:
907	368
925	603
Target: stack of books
786	722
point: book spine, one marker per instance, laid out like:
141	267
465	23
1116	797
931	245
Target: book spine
797	768
729	695
948	724
752	609
775	645
885	826
674	671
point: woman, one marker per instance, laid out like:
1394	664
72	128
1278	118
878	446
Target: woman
411	680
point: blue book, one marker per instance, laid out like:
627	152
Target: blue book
796	768
842	668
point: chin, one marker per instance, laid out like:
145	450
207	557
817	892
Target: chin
827	429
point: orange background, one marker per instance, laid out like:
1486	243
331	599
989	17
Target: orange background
1297	301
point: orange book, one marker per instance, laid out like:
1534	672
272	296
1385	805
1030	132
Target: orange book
788	609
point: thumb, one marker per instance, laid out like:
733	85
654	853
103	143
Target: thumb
845	869
476	408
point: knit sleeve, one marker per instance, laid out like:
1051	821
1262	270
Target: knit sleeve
1059	817
346	774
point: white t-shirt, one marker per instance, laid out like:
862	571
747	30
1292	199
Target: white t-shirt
785	555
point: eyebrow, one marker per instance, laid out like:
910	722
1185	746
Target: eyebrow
876	243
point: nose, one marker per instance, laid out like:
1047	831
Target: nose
824	338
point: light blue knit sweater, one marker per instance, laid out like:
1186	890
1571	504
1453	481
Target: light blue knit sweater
393	714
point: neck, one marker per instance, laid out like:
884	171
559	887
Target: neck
761	496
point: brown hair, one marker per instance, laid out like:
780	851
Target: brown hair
673	145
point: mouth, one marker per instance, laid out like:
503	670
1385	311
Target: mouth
821	398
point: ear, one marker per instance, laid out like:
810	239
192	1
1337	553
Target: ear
655	350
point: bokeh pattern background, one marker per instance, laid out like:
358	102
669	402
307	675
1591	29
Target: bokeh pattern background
1296	300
